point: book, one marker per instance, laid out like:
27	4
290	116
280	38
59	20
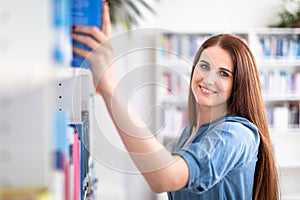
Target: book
61	170
70	141
85	13
78	160
61	22
85	142
279	47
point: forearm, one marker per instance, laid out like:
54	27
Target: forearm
157	165
137	137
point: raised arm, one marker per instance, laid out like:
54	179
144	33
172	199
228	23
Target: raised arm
162	170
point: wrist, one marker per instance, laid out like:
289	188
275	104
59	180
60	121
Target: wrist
106	86
105	82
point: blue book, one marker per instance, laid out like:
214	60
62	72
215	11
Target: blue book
61	22
61	124
85	13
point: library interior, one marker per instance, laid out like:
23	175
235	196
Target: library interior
57	137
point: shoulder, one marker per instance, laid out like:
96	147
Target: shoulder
237	129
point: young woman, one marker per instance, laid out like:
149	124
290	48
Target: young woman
224	151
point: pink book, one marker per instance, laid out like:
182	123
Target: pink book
66	177
76	159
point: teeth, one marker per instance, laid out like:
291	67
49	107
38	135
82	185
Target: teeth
206	90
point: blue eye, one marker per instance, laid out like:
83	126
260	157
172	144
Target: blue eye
204	67
224	74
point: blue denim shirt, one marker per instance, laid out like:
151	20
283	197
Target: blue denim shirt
221	158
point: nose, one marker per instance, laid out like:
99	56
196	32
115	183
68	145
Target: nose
210	77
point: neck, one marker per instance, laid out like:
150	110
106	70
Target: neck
208	114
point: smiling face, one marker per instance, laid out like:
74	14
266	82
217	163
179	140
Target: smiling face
212	79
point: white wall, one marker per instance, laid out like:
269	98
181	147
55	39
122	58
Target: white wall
176	15
199	15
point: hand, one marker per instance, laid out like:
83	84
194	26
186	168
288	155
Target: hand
101	54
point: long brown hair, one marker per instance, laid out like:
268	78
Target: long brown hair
245	101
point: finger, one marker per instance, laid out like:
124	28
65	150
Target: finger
106	24
87	40
81	52
91	30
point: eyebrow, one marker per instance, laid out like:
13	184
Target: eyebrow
222	68
204	62
225	69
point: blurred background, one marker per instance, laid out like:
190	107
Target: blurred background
155	41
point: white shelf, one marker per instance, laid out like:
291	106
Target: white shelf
71	72
287	63
11	86
289	164
285	132
173	99
177	63
277	31
291	197
281	97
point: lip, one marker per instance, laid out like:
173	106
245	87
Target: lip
206	90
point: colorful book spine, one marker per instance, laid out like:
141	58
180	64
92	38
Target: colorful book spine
61	157
174	83
279	47
61	21
79	159
281	117
86	144
174	119
76	161
180	48
280	82
70	141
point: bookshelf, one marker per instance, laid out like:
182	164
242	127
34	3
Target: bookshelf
75	97
46	116
277	52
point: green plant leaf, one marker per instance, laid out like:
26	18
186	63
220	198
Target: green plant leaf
126	12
